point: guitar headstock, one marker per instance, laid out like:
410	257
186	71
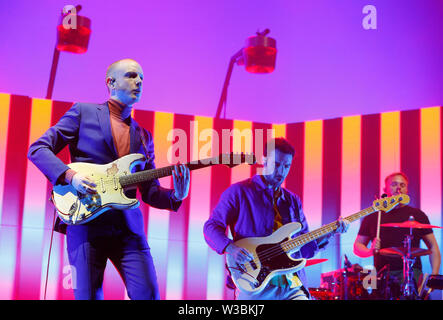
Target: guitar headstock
234	159
389	203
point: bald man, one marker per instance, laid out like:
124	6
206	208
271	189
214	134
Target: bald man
99	134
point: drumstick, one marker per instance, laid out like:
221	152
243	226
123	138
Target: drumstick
378	229
384	195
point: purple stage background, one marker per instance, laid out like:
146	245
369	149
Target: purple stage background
328	65
340	165
328	69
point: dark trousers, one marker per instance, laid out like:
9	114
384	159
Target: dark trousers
90	247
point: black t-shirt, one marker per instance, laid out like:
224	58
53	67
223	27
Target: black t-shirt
394	237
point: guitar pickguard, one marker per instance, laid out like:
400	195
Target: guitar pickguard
272	257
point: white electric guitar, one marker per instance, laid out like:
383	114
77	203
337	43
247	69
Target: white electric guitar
271	255
114	179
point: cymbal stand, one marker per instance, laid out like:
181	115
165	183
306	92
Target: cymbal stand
408	286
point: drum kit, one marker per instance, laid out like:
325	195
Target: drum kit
348	283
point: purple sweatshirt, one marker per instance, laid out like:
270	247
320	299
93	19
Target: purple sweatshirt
247	209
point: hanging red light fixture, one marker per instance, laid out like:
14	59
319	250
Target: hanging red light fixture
258	56
73	33
260	53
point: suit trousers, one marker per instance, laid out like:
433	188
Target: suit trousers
89	248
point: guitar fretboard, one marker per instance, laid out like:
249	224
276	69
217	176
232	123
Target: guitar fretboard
301	240
147	175
230	160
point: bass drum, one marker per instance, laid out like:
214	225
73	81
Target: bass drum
355	286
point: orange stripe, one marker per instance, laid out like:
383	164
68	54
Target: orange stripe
279	131
389	145
350	179
158	225
430	166
242	142
312	171
199	207
5	100
7	252
35	194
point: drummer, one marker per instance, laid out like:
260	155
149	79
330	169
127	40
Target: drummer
396	183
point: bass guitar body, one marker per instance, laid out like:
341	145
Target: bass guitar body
272	254
270	259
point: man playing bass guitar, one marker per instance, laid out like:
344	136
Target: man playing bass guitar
256	207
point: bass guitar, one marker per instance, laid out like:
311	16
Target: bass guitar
272	254
114	179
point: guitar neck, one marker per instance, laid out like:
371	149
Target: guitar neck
147	175
301	240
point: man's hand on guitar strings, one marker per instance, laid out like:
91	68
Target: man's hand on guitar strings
240	255
181	178
83	184
343	225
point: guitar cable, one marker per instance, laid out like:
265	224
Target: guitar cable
49	256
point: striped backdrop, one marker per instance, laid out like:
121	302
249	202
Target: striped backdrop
339	169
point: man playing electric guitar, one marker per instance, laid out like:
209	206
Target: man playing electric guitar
100	134
256	207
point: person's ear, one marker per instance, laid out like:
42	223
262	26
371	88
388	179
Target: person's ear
110	81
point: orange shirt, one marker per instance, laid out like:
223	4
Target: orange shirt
119	128
120	133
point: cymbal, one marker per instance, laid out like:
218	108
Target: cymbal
409	224
401	251
311	262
